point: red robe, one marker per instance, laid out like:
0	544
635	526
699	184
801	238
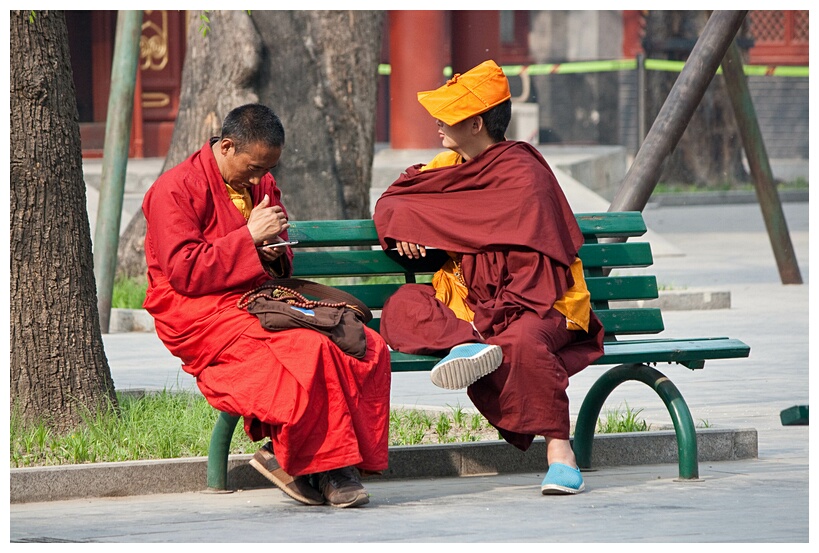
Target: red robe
321	408
505	212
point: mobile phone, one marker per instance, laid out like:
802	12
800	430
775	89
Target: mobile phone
277	244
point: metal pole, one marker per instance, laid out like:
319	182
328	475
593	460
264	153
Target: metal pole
754	145
641	99
677	110
115	158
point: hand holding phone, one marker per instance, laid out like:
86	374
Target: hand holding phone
279	244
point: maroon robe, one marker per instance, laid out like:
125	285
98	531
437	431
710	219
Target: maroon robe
321	408
505	212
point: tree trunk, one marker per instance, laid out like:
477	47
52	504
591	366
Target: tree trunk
321	76
709	152
318	71
58	364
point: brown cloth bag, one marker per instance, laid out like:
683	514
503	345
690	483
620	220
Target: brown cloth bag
281	304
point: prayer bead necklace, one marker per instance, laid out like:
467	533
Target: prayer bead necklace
457	271
286	295
289	296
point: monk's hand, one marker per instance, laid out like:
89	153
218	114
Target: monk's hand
271	253
266	222
408	249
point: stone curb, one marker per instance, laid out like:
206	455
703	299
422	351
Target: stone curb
685	300
130	320
721	198
133	478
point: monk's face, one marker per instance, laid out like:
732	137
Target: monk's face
454	136
246	167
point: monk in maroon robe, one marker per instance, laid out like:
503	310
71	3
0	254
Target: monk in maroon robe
324	411
524	324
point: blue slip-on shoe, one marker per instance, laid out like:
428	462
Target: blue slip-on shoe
562	480
465	364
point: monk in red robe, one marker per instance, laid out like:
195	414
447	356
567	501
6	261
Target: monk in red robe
325	412
510	309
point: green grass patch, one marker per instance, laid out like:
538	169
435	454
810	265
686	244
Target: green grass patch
178	424
618	420
129	293
174	424
798	183
669	287
160	425
455	425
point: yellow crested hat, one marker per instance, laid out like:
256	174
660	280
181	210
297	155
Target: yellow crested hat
464	95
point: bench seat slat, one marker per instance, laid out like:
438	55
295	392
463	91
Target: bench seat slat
672	351
683	351
405	362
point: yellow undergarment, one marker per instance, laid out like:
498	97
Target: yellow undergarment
241	200
451	291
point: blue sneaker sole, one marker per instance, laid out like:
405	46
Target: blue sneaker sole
460	372
556	489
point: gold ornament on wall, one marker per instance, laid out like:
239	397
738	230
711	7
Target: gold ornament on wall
153	44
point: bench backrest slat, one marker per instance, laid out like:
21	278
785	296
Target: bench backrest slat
347	254
363	262
626	254
643	320
361	232
632	287
621	224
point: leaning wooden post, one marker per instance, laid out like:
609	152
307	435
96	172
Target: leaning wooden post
115	158
745	115
677	110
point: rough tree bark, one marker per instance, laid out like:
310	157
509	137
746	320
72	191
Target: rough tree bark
321	75
318	71
710	150
58	364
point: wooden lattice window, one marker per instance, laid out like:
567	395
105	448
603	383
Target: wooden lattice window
780	37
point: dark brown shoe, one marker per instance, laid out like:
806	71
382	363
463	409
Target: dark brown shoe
342	488
298	488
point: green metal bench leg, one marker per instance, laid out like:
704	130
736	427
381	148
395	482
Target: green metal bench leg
668	392
218	451
795	416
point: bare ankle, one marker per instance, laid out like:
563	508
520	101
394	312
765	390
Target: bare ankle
560	451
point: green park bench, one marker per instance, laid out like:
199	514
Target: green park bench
345	249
